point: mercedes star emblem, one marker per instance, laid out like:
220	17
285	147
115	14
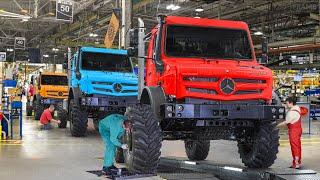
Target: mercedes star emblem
117	87
227	86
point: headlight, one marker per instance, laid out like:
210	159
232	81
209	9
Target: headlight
180	108
170	108
281	110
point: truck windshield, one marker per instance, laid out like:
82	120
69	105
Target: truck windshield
190	41
106	62
54	80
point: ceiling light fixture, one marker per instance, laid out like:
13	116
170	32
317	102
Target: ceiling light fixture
258	33
172	7
199	10
46	55
93	35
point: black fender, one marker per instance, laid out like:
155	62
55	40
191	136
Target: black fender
153	96
74	93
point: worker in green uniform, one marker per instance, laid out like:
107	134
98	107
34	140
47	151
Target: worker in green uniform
111	129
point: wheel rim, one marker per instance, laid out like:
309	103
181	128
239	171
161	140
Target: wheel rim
128	153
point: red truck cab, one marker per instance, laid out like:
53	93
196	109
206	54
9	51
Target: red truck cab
197	66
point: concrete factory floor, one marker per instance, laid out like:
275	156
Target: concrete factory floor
56	155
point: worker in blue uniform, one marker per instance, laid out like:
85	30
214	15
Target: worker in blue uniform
111	129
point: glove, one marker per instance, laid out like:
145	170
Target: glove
124	146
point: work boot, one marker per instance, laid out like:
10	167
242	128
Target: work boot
110	170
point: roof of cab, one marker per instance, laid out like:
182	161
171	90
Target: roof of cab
205	22
104	50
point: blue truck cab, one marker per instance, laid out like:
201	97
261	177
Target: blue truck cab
102	82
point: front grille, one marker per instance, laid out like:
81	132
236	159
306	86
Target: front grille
128	84
198	90
235	85
243	80
248	92
57	93
200	79
102	89
102	83
129	91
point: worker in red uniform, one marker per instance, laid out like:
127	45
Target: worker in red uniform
293	121
31	92
46	118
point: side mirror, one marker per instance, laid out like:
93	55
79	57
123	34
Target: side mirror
132	52
134	38
64	66
78	75
264	48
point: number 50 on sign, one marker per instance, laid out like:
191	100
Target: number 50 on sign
64	10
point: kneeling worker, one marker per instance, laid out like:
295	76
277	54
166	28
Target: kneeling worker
293	121
111	129
46	118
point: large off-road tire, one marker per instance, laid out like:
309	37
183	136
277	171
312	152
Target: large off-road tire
260	149
78	120
62	115
144	141
197	150
38	109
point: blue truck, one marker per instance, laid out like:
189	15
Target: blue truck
101	82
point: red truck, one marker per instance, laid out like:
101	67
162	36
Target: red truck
202	82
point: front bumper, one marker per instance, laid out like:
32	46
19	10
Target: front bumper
107	101
222	111
51	101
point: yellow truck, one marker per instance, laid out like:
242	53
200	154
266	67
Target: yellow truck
51	88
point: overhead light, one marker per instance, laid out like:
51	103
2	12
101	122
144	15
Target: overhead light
46	55
10	50
199	9
197	17
55	49
172	7
175	8
258	33
93	35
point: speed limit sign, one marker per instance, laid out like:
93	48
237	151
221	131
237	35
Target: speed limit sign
64	10
19	43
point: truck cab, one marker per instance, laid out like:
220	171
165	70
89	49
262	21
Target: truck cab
102	82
